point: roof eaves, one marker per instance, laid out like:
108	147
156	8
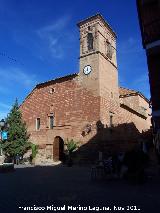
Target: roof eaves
47	82
98	15
67	77
129	90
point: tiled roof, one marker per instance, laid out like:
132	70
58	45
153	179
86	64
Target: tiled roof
124	91
63	78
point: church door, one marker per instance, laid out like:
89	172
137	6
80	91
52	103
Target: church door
58	149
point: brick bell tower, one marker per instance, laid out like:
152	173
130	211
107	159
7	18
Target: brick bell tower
98	64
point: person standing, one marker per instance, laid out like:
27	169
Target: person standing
17	159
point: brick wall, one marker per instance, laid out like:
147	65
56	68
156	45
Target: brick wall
72	106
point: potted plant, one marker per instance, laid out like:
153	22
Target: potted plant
71	147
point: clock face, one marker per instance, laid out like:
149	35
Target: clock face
87	69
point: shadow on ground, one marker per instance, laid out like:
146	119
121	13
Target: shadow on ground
61	185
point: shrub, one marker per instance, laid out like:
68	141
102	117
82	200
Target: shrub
71	146
34	148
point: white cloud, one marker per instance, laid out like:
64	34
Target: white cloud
12	75
142	84
5	106
133	66
56	26
130	46
3	114
56	36
4	109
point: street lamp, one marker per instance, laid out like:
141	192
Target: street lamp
2	124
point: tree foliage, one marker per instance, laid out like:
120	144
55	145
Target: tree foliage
71	146
34	148
17	142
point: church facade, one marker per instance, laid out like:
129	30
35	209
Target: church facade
88	107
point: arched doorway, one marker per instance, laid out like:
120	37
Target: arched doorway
58	149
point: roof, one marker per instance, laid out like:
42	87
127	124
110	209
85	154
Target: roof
60	79
125	92
98	15
56	80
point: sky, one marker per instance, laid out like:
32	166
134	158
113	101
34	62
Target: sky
39	41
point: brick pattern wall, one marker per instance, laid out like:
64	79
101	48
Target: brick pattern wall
72	106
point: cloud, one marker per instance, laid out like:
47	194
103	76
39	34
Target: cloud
4	110
142	84
133	66
55	36
3	114
12	75
5	106
58	25
130	46
15	82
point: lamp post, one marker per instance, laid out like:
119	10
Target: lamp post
2	124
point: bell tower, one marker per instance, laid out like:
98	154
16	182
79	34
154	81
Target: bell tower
98	63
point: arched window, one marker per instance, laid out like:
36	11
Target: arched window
109	50
90	41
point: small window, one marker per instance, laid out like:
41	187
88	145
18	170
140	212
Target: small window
109	50
111	120
51	90
111	115
38	123
90	41
51	121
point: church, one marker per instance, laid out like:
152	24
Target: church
89	106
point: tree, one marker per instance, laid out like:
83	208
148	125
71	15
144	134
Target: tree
17	142
71	147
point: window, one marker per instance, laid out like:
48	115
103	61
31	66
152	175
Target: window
90	41
38	123
111	115
109	50
111	120
51	121
51	90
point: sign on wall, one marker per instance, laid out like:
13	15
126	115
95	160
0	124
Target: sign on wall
4	135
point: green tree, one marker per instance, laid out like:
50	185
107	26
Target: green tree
71	146
17	142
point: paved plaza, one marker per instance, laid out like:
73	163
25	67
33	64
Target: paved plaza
61	186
